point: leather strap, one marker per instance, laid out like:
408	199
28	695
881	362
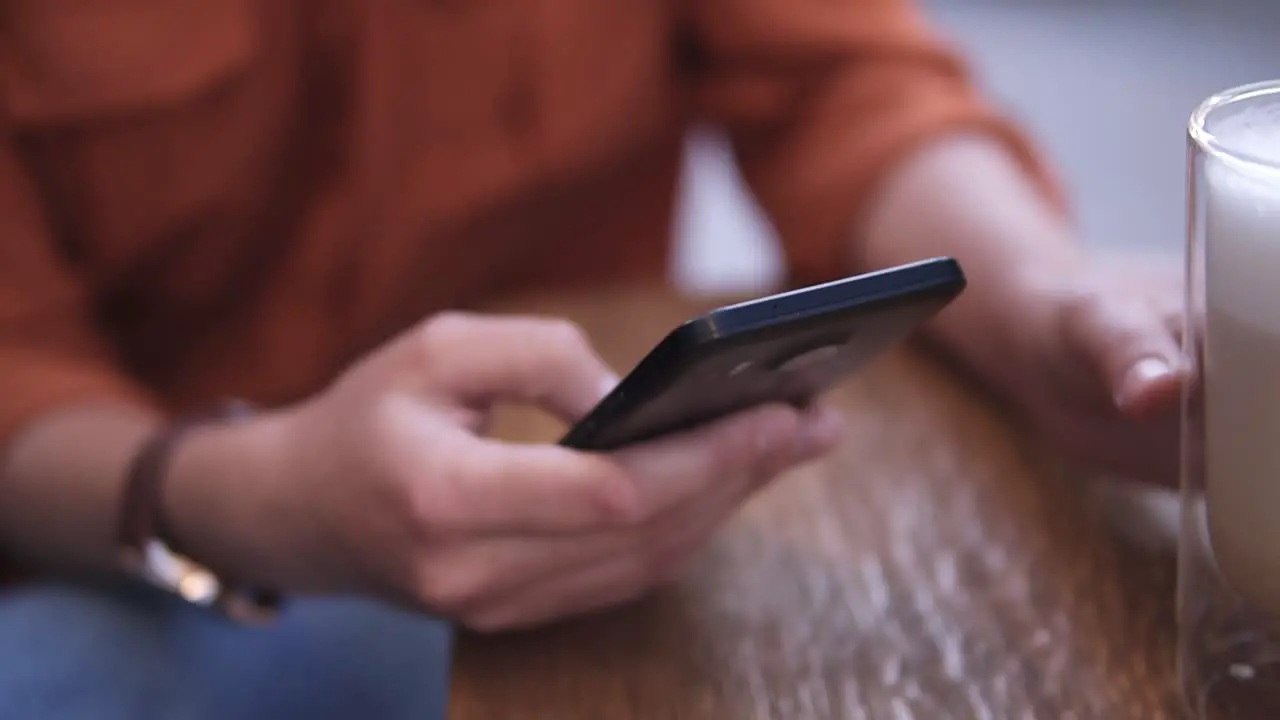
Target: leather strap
148	543
141	516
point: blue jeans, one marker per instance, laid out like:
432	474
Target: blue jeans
117	653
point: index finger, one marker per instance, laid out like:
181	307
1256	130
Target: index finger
476	359
1130	345
535	489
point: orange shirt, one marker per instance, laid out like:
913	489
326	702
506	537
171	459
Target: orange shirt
209	198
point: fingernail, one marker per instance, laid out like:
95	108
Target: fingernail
607	385
1140	375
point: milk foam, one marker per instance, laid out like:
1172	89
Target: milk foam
1252	131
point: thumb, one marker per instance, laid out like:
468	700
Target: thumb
743	449
1131	345
477	360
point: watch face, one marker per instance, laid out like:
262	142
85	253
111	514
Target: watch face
172	572
169	571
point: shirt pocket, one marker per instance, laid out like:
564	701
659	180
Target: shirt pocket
66	61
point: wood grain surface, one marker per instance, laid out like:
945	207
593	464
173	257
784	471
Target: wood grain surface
936	567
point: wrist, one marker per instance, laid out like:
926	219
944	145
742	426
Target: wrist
220	500
1007	320
968	198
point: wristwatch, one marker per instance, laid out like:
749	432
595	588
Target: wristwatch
148	548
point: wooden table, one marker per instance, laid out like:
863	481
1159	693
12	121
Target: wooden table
937	567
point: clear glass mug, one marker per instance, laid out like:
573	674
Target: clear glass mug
1229	540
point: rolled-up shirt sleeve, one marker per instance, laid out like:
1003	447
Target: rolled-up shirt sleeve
52	354
822	98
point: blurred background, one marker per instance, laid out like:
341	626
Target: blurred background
1104	86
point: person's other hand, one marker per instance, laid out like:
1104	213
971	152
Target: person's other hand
1097	364
384	483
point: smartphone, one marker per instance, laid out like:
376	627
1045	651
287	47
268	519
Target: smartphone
786	348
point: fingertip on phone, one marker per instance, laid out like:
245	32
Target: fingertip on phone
608	383
823	429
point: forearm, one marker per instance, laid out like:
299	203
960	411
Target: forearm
61	485
64	479
965	197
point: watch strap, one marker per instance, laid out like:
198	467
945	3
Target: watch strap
149	545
